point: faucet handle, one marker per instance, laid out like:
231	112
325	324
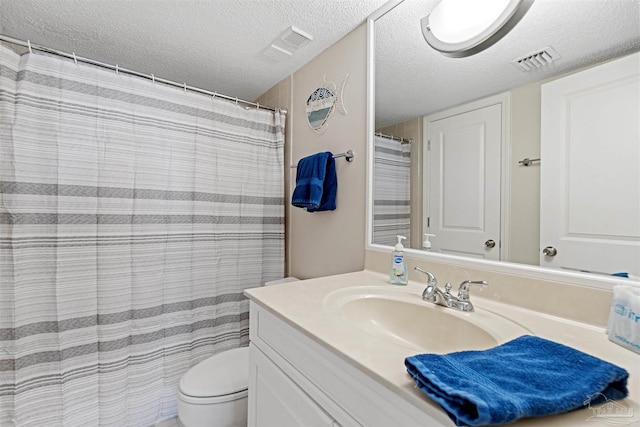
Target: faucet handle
447	289
463	290
431	278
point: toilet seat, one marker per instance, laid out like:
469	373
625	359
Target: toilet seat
219	378
214	399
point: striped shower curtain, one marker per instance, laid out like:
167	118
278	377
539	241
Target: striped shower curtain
132	217
391	191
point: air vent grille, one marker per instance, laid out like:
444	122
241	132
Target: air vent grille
286	44
295	37
537	59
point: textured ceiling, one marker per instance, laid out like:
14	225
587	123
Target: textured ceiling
217	44
211	44
412	79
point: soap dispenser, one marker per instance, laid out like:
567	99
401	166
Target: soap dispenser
398	274
427	243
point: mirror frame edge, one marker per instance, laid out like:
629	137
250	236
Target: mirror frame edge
523	270
371	117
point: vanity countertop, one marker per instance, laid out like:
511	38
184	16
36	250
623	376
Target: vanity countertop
301	304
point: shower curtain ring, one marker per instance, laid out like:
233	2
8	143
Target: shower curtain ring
74	58
185	88
236	100
29	44
153	79
257	106
117	70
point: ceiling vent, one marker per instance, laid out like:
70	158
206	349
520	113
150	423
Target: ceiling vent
292	39
295	38
286	44
535	60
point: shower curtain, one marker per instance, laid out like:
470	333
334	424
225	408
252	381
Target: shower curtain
132	217
391	191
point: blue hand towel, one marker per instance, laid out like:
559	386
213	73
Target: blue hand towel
316	183
526	377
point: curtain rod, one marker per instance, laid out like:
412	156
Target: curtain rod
395	138
118	69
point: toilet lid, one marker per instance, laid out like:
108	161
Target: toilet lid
223	373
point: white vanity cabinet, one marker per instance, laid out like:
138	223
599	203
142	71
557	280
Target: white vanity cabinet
276	400
296	381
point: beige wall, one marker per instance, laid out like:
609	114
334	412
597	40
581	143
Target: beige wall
569	301
524	201
326	243
411	129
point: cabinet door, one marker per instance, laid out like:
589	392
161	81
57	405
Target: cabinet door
276	401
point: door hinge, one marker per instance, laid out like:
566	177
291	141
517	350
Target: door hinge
428	145
429	222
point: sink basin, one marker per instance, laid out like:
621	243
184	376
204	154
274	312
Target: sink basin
402	318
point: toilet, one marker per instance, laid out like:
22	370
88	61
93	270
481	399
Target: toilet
214	392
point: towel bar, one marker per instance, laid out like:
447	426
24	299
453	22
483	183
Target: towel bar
528	161
348	155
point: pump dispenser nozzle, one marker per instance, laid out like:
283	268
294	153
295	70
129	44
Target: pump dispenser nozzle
427	243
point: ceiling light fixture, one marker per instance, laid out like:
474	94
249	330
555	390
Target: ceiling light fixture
460	28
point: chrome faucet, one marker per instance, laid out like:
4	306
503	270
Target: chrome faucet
463	302
434	295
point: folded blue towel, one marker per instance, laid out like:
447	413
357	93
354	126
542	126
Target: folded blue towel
526	377
316	183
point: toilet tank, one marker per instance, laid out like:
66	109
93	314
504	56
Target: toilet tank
280	281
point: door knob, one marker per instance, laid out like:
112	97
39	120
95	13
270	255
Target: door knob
550	251
490	244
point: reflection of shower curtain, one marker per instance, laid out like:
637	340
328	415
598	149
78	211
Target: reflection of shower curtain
132	217
391	191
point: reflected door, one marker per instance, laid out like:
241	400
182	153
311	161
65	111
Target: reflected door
590	169
464	183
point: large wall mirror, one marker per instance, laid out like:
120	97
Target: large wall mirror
421	95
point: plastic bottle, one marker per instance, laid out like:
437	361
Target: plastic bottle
427	243
398	274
